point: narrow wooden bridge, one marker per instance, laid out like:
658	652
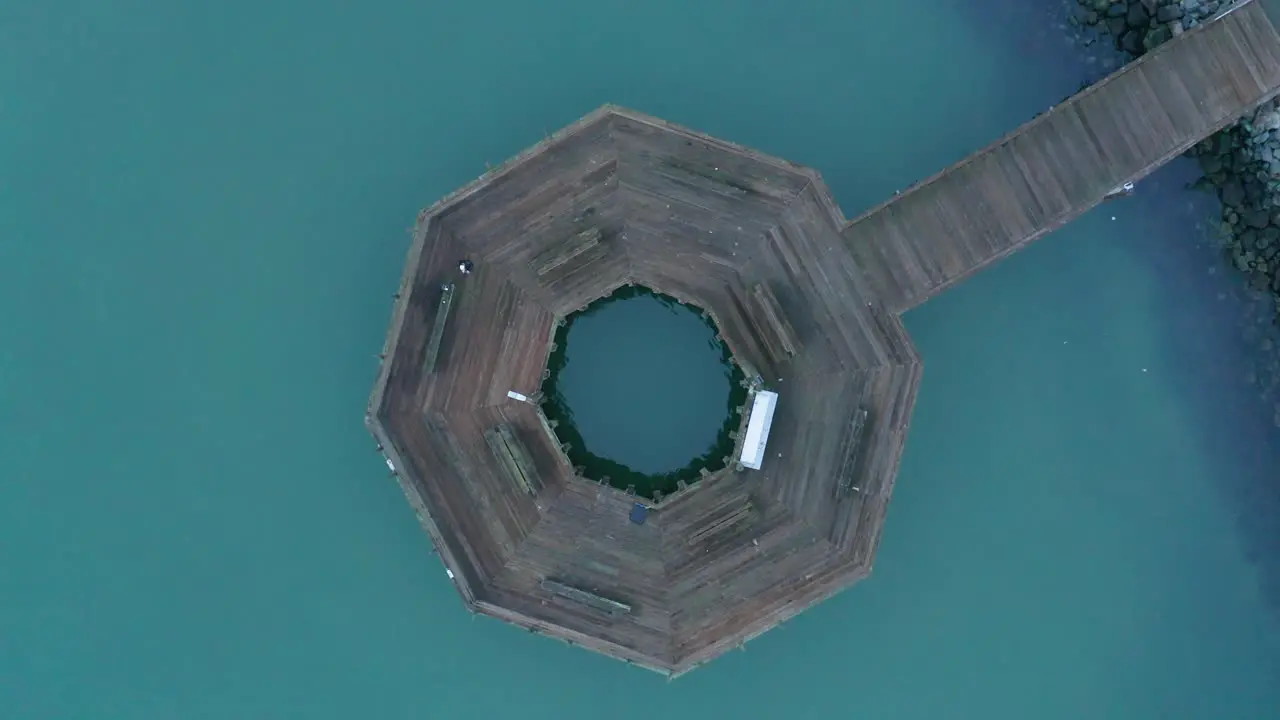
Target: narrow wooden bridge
1065	162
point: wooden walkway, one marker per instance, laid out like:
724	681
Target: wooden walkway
620	197
1065	162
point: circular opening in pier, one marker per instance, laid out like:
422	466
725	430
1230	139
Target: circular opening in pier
642	390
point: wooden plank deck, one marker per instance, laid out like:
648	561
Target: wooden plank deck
799	294
1065	161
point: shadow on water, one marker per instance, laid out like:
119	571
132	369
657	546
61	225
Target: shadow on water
611	372
1207	311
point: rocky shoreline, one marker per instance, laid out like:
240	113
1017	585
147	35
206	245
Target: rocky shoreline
1241	166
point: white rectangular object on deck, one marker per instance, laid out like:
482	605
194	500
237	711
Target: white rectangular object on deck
517	396
758	429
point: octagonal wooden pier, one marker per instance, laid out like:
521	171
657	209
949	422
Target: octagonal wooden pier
809	300
623	198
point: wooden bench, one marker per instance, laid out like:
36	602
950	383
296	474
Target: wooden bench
591	600
443	307
735	515
775	332
558	255
851	451
512	457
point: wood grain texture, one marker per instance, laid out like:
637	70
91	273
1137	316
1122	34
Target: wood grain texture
1064	162
806	299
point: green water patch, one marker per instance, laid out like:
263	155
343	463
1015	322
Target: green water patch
643	392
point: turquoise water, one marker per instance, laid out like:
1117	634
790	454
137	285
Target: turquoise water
643	392
202	220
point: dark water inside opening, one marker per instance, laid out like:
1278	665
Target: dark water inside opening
643	391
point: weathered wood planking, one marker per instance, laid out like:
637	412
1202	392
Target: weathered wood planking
695	207
480	517
805	298
858	521
820	290
753	240
1065	162
513	458
586	540
732	186
518	218
681	249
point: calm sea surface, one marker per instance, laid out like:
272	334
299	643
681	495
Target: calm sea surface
202	219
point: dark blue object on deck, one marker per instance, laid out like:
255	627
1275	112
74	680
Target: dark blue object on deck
638	513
